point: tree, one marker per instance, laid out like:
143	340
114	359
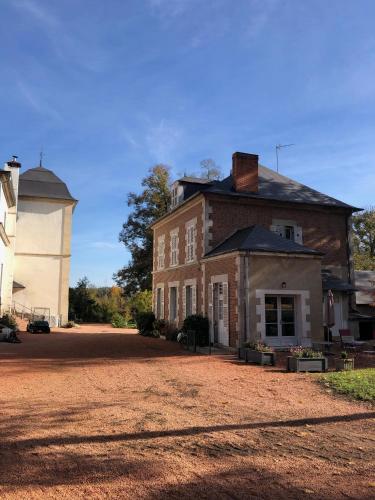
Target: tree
82	307
364	239
136	233
211	170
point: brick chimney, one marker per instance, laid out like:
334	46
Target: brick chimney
245	172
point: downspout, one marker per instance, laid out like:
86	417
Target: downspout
351	280
247	297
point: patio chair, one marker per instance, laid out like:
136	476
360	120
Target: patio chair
348	341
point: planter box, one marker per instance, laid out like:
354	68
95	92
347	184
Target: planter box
344	364
251	356
307	364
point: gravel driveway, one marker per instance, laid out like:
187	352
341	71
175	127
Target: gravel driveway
103	413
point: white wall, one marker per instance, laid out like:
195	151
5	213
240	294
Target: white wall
41	278
39	227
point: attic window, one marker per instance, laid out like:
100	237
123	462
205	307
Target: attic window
287	229
289	232
174	196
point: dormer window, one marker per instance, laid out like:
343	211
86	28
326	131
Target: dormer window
289	232
288	229
177	194
174	196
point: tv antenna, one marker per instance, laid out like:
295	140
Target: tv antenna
41	156
277	149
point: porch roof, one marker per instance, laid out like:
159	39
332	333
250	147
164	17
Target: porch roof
259	239
334	283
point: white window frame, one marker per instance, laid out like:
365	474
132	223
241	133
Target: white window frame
159	306
192	283
161	252
279	226
174	248
191	241
173	284
174	196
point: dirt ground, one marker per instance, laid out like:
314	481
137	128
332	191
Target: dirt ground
104	413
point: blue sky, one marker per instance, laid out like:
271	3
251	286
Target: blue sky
111	88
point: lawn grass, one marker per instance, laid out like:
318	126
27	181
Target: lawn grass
358	384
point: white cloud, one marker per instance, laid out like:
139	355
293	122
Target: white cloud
106	245
170	8
37	11
163	139
36	103
260	14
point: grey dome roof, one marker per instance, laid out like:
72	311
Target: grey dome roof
43	183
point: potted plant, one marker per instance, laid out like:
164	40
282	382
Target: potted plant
305	359
344	363
257	352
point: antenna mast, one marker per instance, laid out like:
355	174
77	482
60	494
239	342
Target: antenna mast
277	148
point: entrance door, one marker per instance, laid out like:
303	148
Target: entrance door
220	297
280	329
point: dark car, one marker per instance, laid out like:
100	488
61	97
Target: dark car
38	326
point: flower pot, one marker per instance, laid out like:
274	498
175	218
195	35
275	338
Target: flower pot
242	353
344	364
307	364
259	357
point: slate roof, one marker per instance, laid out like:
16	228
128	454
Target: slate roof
332	282
259	239
194	180
273	186
43	183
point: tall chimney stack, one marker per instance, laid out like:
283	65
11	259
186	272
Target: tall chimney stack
245	172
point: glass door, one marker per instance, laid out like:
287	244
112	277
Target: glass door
279	320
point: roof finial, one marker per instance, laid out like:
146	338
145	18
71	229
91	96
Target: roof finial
41	157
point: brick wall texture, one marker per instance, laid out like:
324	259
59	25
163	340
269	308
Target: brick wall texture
324	229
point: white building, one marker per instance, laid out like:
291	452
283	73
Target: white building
36	210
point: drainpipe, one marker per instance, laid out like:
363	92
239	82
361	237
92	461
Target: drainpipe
351	295
247	298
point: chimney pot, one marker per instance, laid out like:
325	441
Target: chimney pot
245	172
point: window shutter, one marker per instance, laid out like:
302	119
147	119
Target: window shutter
162	303
184	302
225	305
194	299
298	235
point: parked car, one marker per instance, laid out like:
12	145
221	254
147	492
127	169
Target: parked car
38	326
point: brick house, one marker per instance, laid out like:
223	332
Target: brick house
256	253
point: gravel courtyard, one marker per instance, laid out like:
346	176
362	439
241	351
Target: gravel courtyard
104	413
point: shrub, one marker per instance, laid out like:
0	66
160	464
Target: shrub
171	333
9	321
200	325
70	324
118	321
305	352
258	346
344	355
162	326
145	323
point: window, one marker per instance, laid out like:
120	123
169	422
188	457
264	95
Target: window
161	252
174	248
174	196
288	230
190	243
189	300
173	303
160	302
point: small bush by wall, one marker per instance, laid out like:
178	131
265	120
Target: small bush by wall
145	323
199	324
